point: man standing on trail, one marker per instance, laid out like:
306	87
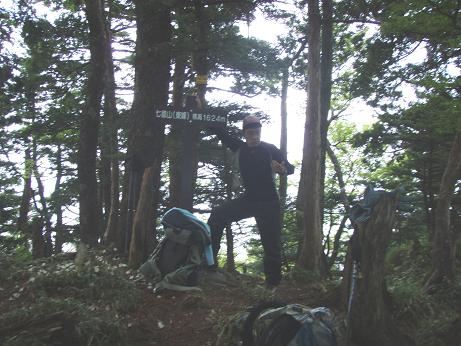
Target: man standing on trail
258	161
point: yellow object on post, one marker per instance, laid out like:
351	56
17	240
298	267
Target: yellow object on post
201	79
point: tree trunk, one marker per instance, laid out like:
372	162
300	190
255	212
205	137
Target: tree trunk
230	258
228	177
57	198
444	243
428	191
143	223
45	217
370	316
325	91
146	136
283	138
311	257
176	134
343	196
38	242
300	210
89	125
111	234
22	224
184	162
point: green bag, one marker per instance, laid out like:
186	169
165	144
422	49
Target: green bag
272	323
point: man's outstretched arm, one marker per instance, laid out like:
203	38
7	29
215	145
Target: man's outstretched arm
227	140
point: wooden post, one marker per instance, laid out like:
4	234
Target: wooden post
370	320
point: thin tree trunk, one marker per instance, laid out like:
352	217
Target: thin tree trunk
311	256
111	233
174	140
142	224
325	91
38	242
444	244
325	78
45	214
89	125
22	224
343	196
283	138
339	174
300	210
57	198
230	258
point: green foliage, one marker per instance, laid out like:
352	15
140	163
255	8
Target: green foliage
304	276
51	301
57	321
428	316
89	284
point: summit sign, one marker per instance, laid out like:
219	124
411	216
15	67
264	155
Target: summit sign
191	117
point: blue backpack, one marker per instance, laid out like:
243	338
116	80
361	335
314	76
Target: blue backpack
175	262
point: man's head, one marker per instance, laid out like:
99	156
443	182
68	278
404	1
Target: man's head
252	130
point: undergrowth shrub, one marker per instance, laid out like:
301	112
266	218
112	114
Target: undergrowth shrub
88	284
428	317
60	322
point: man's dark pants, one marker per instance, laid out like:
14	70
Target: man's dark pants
267	215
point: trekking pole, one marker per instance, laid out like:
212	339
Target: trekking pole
355	254
350	300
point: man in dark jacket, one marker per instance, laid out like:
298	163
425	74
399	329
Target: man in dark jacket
258	162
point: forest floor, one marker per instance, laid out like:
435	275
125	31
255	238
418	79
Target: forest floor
175	318
52	302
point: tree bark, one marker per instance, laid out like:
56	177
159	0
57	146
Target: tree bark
230	258
444	243
38	242
142	224
57	198
146	135
283	138
311	257
176	133
343	196
370	316
326	69
89	125
22	224
111	234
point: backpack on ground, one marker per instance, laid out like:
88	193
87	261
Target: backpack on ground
276	324
175	262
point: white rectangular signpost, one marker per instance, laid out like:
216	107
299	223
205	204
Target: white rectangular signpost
189	119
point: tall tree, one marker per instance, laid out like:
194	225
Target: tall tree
88	187
110	141
311	256
146	136
445	240
417	46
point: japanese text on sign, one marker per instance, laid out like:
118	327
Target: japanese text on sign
191	117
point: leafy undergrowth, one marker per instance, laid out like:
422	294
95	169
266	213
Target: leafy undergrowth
431	316
54	302
102	302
